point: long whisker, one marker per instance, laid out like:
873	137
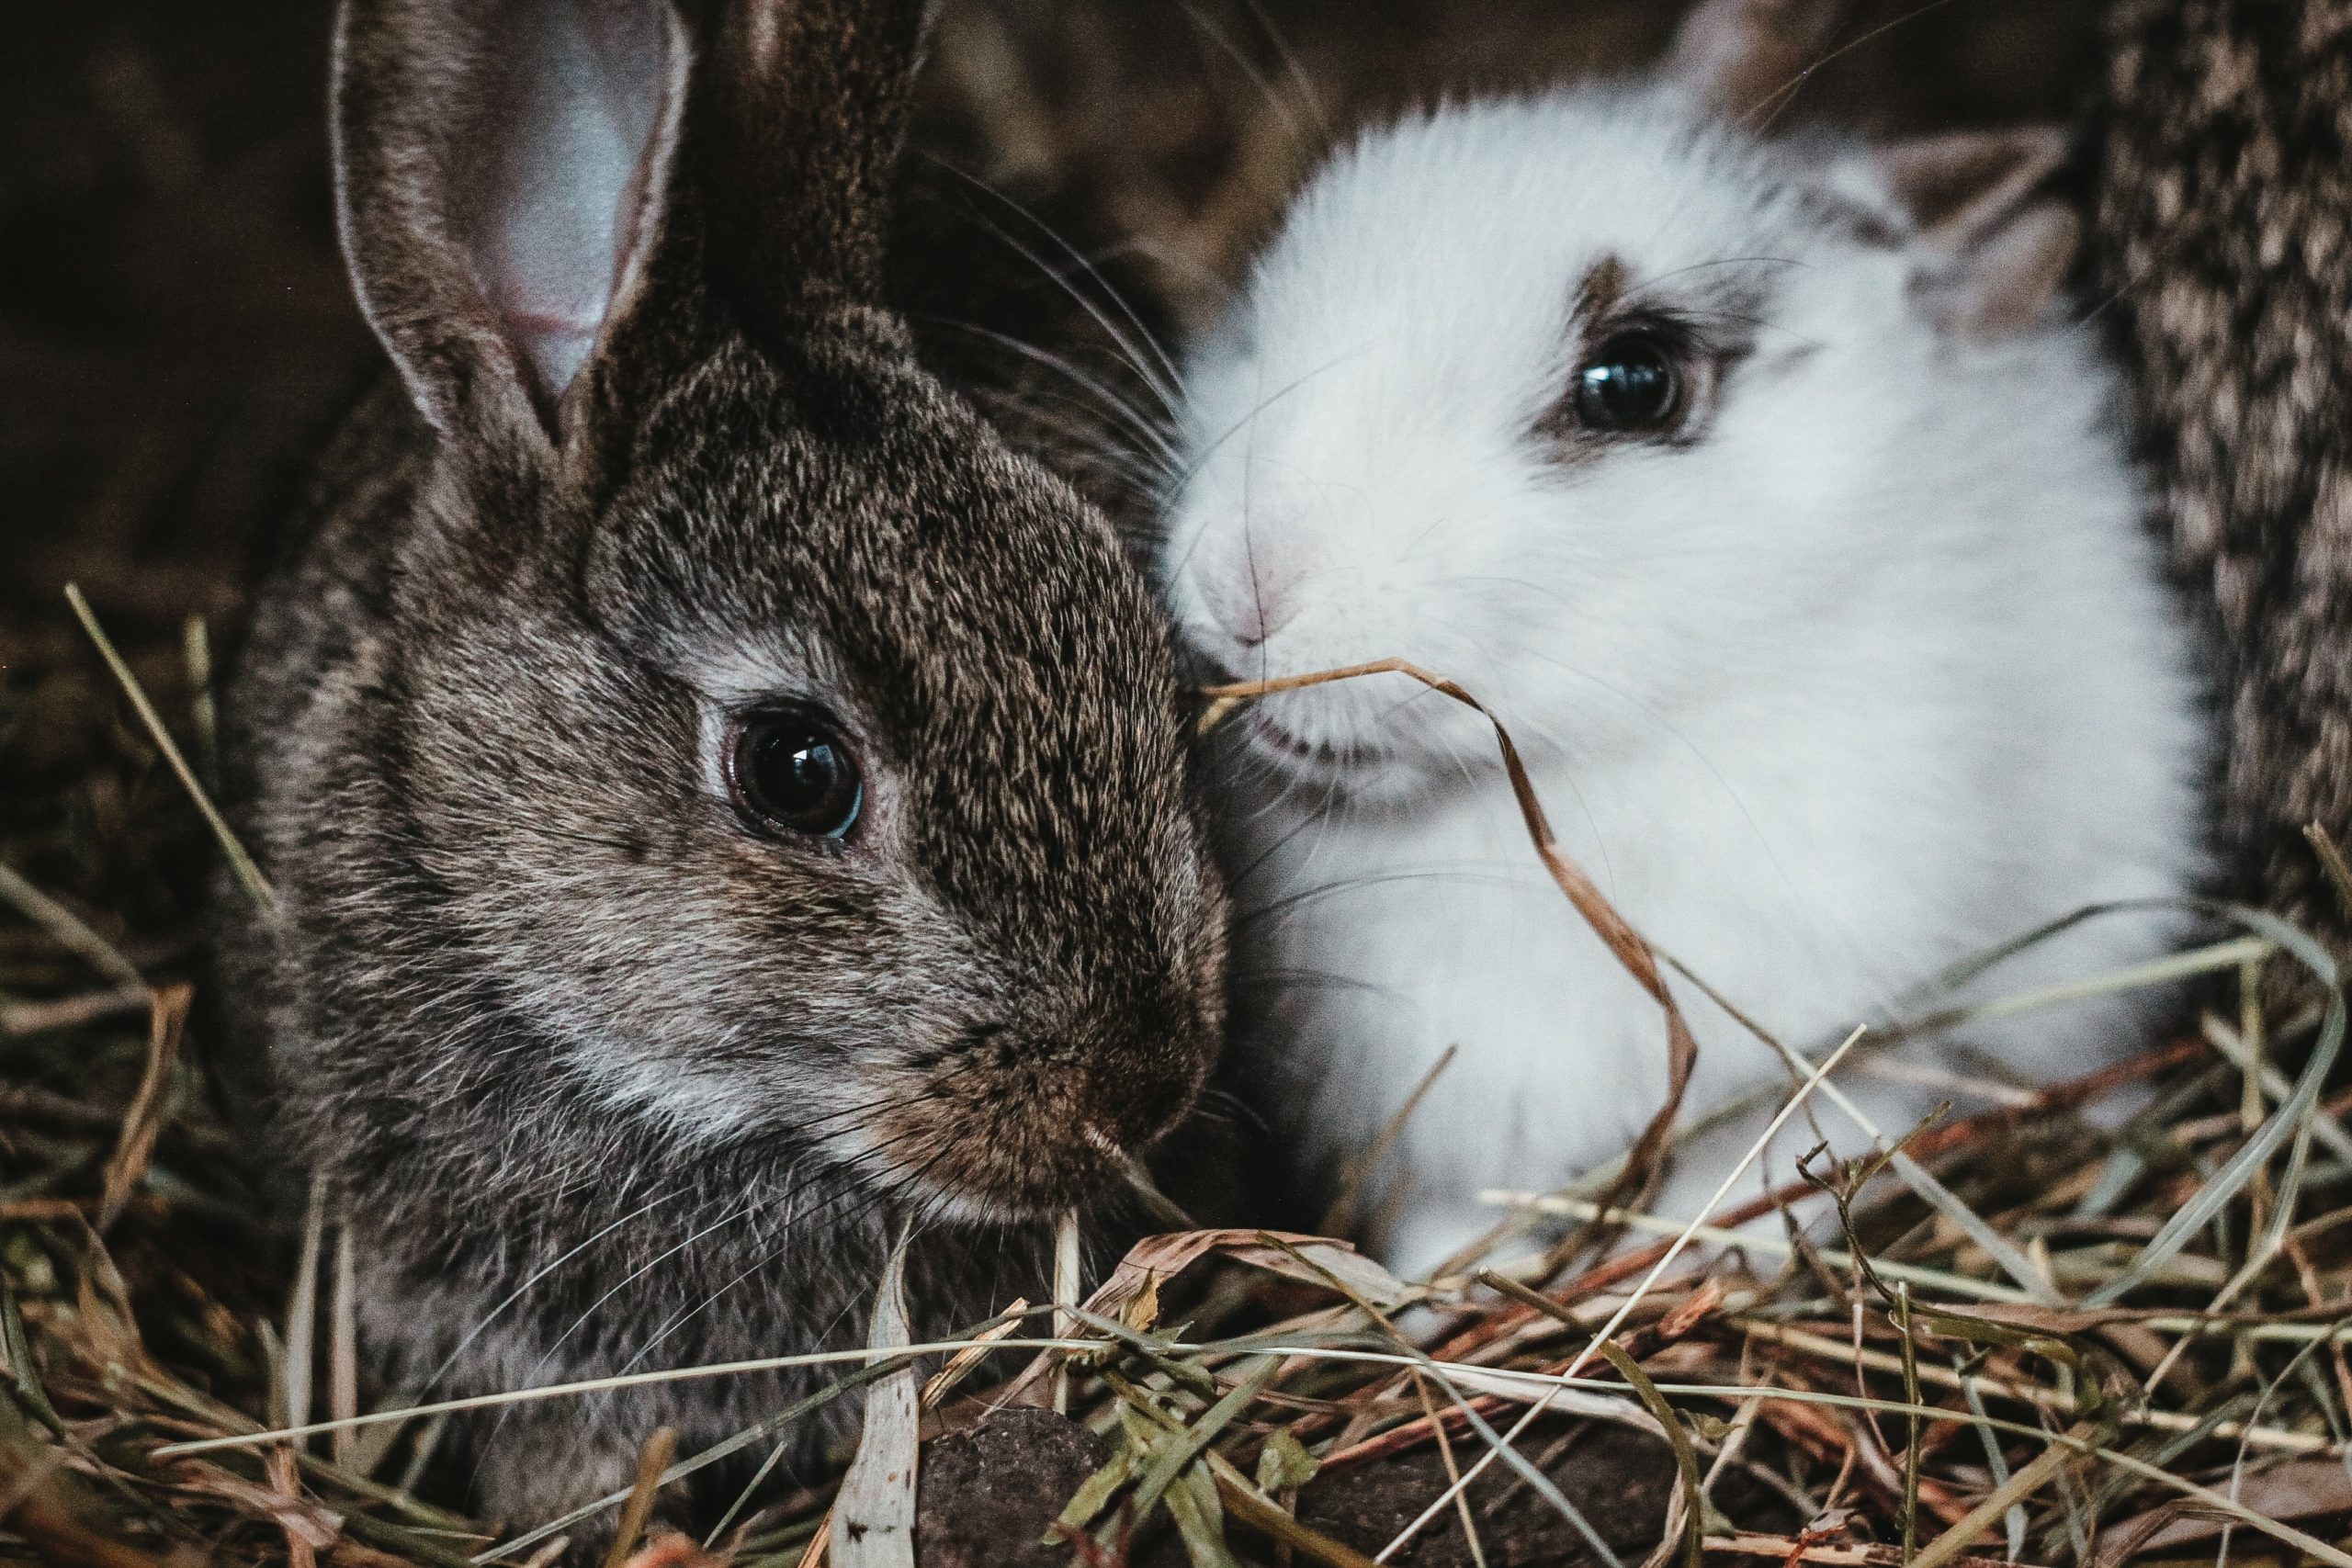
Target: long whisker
1167	379
1131	418
547	1356
1319	980
1273	847
1778	101
1298	134
791	1236
1352	883
1183	479
536	1275
1292	66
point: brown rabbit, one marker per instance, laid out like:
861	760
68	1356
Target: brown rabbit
2224	207
721	802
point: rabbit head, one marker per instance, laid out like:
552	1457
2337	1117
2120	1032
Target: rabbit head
1583	399
749	743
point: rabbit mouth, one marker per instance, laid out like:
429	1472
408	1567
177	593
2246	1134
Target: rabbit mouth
1319	758
1014	1133
999	1173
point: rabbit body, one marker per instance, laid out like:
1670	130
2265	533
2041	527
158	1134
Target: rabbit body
1849	668
722	804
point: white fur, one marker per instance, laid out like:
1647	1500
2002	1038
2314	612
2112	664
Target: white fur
1874	675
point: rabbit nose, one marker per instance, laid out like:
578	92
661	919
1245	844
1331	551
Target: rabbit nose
1265	600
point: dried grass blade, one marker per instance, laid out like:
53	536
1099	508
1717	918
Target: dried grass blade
1831	1554
2187	965
1094	1493
301	1327
23	1019
1067	1289
607	1385
70	931
1686	1458
143	1123
1503	1446
1262	1514
1998	1248
959	1366
1996	1464
1911	1422
2256	1152
2012	1262
2331	860
1199	1518
712	1455
1452	1474
1170	1457
651	1463
23	1376
2306	1489
2275	1087
283	1503
1341	1215
2024	1483
2268	1439
934	1394
342	1345
875	1508
238	860
1777	1246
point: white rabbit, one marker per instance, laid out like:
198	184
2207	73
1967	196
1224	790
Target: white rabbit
1787	526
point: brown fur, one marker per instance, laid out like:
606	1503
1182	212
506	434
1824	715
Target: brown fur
2224	234
602	1077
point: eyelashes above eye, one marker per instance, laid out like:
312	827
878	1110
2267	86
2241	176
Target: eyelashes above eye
1635	381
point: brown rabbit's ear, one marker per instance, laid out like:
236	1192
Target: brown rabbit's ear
1740	56
499	167
795	129
1994	247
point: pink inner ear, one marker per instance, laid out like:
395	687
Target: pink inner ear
1962	184
1740	56
561	163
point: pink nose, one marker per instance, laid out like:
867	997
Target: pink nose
1259	604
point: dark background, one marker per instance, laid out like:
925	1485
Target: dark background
174	326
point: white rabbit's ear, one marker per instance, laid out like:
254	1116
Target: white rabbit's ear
1740	56
1992	246
499	172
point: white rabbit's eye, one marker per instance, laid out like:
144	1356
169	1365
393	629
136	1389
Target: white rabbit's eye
790	770
1631	383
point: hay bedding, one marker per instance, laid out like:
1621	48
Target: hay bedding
1993	1362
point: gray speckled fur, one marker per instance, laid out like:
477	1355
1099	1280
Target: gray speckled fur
468	743
2224	243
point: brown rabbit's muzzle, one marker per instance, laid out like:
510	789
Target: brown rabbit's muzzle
1000	1129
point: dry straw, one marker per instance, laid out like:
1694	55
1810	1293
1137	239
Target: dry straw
2028	1341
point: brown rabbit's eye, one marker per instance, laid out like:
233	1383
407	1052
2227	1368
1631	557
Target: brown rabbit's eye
790	770
1631	383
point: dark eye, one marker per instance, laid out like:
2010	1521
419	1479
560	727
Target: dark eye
1631	383
791	771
